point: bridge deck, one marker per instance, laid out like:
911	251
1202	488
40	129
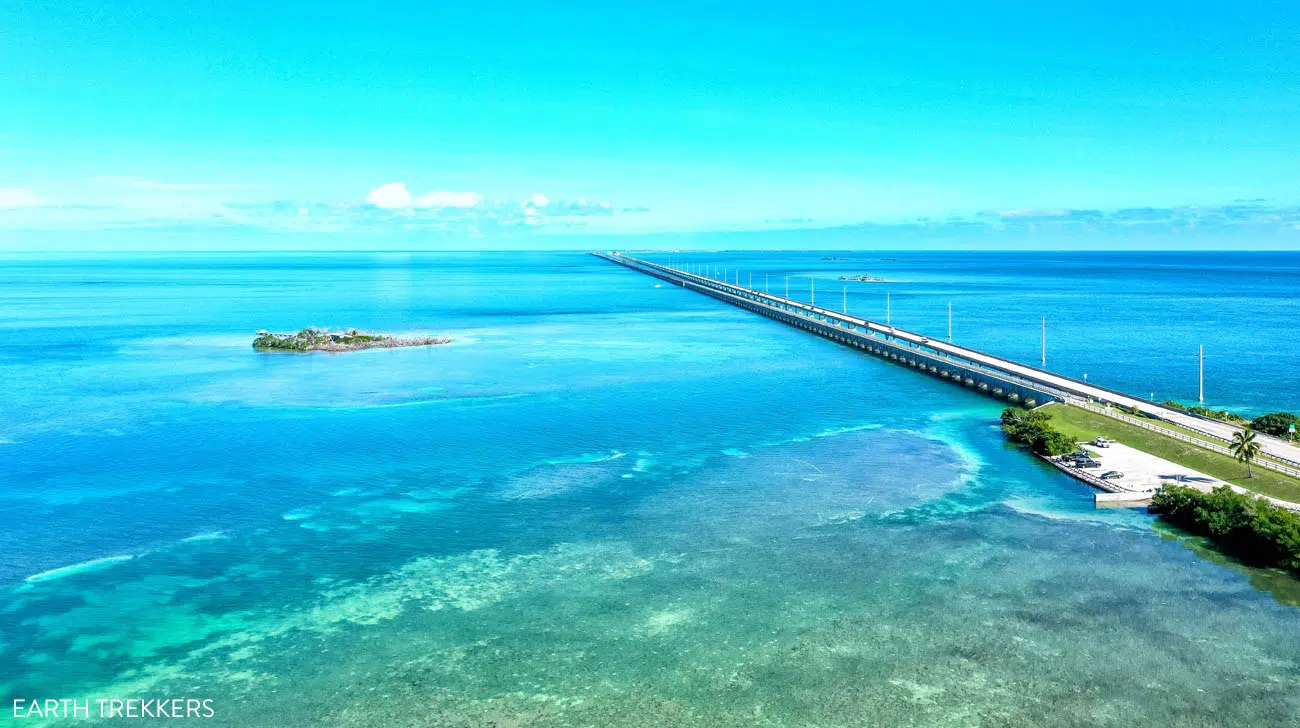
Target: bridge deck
971	360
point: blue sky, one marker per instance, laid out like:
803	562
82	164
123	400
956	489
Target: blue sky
476	123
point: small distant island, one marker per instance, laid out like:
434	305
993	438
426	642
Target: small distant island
833	258
325	340
864	277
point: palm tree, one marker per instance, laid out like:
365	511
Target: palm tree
1246	448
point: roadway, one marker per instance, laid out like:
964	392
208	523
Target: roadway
1273	447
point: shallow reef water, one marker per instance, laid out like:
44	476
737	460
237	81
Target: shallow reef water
605	504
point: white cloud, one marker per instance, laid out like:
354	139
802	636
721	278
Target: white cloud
389	205
391	196
12	198
435	198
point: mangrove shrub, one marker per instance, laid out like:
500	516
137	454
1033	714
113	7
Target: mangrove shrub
1247	527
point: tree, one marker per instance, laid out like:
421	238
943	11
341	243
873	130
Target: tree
1014	418
1052	442
1245	448
1275	423
1250	528
1025	426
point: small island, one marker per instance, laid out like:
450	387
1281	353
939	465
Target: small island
864	278
325	340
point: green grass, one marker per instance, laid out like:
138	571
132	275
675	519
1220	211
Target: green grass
1084	424
1200	435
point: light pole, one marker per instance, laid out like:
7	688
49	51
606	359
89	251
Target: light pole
787	287
844	307
887	307
1043	362
950	322
1201	377
812	288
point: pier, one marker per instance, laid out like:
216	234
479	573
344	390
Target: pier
980	371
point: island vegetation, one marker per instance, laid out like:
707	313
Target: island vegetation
1034	428
311	339
1246	527
1277	424
863	278
1221	415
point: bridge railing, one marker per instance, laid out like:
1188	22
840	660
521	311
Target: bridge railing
869	330
748	297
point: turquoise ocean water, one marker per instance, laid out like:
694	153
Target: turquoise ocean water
609	503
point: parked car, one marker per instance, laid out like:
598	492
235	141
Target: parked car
1087	463
1112	475
1101	442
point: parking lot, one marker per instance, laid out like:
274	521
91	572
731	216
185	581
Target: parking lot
1145	472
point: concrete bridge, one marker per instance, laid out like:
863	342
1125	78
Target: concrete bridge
886	342
980	371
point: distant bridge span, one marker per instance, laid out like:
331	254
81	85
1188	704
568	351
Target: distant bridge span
986	373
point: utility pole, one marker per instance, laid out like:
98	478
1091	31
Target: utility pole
787	286
950	322
1201	379
751	280
812	288
844	307
887	307
1043	363
767	278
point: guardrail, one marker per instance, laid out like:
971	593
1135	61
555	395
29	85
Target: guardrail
1213	447
1221	438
